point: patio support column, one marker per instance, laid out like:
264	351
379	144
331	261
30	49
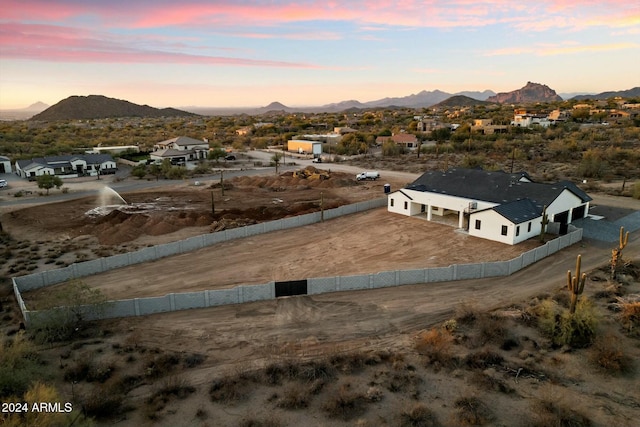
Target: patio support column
460	219
428	212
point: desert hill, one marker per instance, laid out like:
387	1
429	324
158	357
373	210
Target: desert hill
531	92
629	93
459	101
102	107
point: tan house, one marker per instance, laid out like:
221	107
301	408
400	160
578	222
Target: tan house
406	140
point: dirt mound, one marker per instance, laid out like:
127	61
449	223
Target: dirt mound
227	223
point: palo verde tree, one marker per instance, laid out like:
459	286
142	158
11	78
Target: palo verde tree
47	182
275	159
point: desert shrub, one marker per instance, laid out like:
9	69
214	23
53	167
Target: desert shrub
630	313
229	389
608	355
435	344
318	370
169	388
296	396
348	363
482	359
275	373
252	421
159	364
85	369
546	413
466	314
19	366
489	329
418	416
636	190
345	404
487	382
192	360
472	412
563	328
103	402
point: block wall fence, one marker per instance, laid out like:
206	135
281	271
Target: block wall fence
248	293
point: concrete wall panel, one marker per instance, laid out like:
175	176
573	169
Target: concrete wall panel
191	244
384	279
440	274
58	275
576	236
496	269
154	305
553	245
565	241
211	239
122	308
223	297
87	268
333	213
143	255
254	230
30	281
411	277
350	283
528	257
541	252
321	285
186	300
167	249
235	233
515	264
116	261
258	292
468	271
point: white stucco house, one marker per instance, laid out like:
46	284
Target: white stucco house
5	165
505	207
180	150
67	166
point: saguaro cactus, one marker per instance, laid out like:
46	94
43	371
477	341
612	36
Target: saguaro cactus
575	284
616	254
544	222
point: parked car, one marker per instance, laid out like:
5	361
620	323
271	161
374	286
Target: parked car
3	183
230	157
317	160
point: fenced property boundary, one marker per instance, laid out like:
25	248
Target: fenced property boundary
249	293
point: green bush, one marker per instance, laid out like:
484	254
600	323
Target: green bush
577	330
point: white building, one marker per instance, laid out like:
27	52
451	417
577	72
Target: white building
497	206
180	150
69	166
5	165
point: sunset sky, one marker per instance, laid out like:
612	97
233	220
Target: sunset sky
250	53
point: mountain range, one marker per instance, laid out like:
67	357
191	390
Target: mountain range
98	106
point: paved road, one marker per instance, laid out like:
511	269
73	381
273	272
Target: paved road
608	231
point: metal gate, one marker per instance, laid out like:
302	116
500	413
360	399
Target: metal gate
291	287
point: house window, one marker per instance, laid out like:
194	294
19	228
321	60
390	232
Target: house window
391	202
406	205
529	228
504	230
478	223
518	230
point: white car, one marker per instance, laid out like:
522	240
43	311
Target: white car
3	183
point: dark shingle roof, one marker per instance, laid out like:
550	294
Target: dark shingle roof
496	187
519	211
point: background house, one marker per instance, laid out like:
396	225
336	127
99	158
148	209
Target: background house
497	206
180	150
5	165
67	166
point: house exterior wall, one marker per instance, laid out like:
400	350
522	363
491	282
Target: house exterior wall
566	201
310	147
491	224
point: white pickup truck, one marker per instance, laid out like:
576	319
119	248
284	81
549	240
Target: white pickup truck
373	175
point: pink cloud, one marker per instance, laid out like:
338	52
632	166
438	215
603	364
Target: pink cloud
201	14
55	43
561	49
